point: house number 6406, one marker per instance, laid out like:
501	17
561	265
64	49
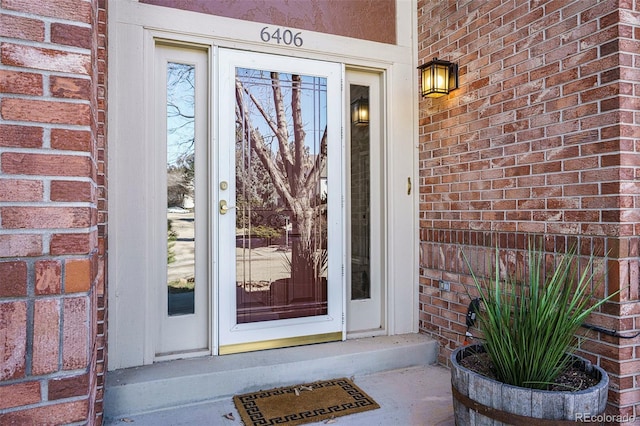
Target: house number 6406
281	36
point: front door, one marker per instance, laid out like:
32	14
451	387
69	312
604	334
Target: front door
279	202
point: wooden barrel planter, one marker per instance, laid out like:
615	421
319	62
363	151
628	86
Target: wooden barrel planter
480	400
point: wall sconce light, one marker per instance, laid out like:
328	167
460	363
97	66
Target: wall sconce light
438	78
360	112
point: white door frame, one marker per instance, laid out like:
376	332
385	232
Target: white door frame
133	29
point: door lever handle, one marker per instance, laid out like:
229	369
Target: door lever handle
224	208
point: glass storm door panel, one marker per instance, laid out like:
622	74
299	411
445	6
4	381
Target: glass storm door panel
280	192
365	297
181	133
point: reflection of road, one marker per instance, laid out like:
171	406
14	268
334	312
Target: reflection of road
184	248
267	263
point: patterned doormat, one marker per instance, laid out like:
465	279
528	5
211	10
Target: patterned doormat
296	405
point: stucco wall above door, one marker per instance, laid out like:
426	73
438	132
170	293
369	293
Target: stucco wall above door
375	21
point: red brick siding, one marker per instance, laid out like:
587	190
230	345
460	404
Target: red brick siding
99	262
13	322
541	139
52	414
13	279
46	335
19	394
52	116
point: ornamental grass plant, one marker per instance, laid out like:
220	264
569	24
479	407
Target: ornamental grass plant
529	325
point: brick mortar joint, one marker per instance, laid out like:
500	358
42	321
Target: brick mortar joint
45	19
45	403
48	97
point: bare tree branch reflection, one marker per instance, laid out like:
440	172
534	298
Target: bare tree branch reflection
294	165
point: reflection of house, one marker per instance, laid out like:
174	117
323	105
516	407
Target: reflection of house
540	139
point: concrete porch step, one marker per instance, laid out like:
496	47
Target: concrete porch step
178	383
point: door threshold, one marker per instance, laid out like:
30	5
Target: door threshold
187	381
279	343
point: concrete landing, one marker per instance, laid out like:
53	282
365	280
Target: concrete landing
190	383
413	396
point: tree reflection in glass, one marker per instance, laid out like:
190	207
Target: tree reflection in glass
181	278
281	188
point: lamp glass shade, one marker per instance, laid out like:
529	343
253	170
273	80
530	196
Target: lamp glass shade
438	78
360	112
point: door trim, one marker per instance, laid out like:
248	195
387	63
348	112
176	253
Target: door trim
133	29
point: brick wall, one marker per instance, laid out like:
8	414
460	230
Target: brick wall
101	45
51	183
540	140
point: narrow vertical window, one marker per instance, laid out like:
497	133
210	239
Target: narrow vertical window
180	188
360	194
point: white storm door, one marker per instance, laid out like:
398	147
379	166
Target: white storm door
279	205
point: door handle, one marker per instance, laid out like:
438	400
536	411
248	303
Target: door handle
224	208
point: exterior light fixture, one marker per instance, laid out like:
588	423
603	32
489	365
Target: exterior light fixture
360	112
438	78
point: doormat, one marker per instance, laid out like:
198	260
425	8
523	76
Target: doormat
300	404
